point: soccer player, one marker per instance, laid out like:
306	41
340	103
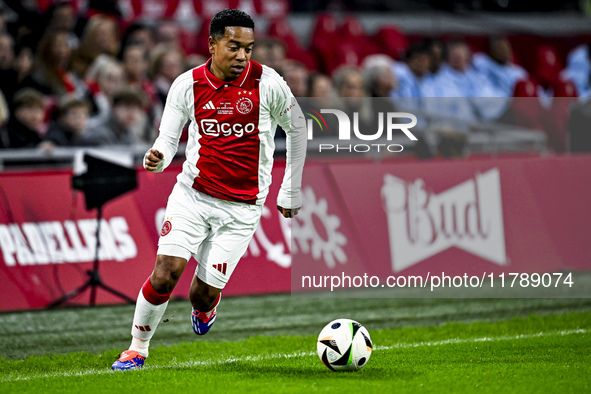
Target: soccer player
234	106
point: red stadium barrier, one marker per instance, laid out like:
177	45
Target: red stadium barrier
494	215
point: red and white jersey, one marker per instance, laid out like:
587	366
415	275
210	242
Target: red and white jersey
229	153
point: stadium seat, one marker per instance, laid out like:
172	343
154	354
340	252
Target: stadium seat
280	29
565	95
189	44
345	55
526	107
392	41
547	67
353	32
201	45
323	39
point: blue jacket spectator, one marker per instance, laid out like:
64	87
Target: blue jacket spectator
578	69
497	67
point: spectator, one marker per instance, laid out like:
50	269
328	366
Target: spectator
117	129
379	78
2	17
25	127
270	52
413	75
497	67
71	123
320	85
578	69
23	66
350	87
100	37
135	66
4	114
166	64
296	76
105	78
6	50
168	33
458	80
194	60
62	16
139	33
8	82
380	83
53	56
438	55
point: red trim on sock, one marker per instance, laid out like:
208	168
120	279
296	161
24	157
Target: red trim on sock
152	296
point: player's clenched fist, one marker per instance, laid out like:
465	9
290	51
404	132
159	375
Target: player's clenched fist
152	158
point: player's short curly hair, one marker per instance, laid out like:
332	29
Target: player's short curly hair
228	17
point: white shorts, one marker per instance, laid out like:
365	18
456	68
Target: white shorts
215	232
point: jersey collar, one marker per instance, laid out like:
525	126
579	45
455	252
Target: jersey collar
217	83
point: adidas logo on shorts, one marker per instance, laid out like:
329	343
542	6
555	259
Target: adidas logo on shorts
221	267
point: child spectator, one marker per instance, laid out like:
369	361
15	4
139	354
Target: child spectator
71	123
25	127
117	129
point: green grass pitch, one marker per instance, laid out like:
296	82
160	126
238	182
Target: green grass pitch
268	344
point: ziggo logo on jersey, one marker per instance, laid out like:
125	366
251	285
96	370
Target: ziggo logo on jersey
214	128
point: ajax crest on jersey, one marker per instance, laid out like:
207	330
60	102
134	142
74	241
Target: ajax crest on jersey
344	345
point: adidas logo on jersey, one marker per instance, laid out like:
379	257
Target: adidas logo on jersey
221	267
209	105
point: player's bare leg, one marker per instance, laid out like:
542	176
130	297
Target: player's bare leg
150	306
204	299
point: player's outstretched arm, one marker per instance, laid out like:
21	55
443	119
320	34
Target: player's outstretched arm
152	158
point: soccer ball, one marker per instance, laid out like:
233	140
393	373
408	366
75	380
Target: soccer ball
344	345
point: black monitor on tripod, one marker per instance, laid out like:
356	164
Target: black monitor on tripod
102	182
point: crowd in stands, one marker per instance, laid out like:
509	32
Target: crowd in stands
90	80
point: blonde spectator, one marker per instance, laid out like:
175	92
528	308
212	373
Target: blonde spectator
101	36
4	114
105	77
379	78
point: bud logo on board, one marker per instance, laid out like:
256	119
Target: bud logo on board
422	224
65	242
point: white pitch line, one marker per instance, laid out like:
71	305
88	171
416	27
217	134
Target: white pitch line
189	364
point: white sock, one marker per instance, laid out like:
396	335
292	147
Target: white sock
140	345
145	321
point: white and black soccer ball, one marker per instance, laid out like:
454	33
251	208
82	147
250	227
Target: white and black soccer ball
344	345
